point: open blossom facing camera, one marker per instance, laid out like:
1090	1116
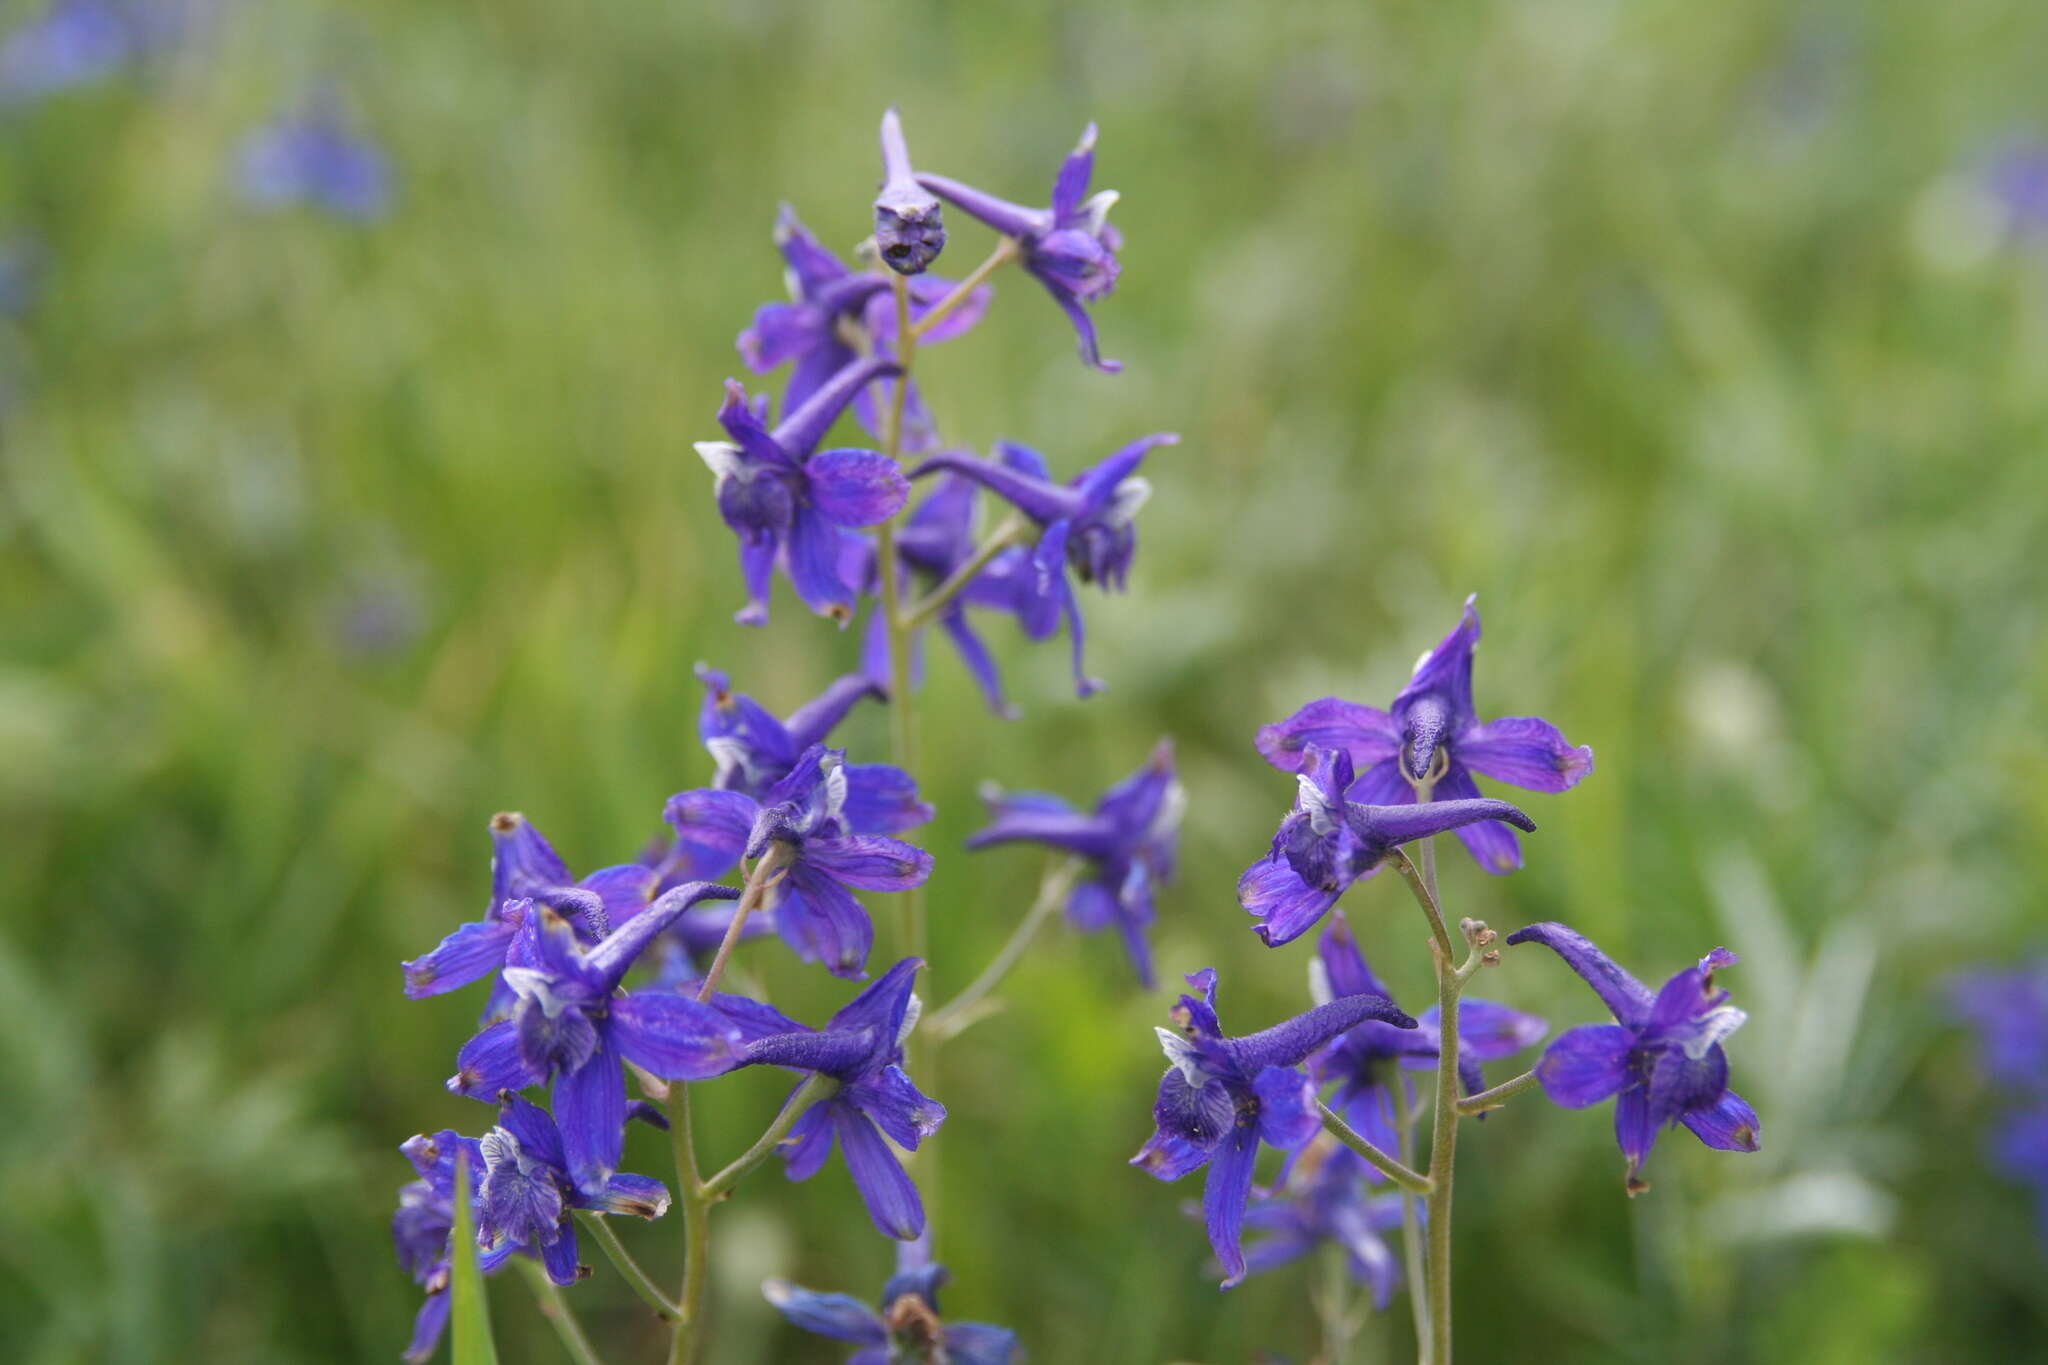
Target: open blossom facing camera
1434	735
1070	248
1328	842
814	813
906	1331
1128	844
1222	1096
1661	1060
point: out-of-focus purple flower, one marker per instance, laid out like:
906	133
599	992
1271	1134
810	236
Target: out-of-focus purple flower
423	1228
1221	1096
1089	525
1129	843
1434	731
1325	1197
73	43
1070	248
818	809
862	1049
571	1024
910	224
829	301
525	869
908	1329
1365	1061
786	504
2018	180
314	158
2008	1008
2019	1147
1329	842
1661	1059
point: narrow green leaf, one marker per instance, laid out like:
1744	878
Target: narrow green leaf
469	1323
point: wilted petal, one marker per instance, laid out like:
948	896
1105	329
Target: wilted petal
1224	1198
1586	1064
887	1191
839	1316
674	1037
1524	751
1627	998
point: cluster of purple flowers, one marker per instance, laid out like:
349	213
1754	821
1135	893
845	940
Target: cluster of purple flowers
2008	1009
616	974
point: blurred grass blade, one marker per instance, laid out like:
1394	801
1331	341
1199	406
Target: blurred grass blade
469	1321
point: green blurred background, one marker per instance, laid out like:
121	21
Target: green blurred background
1691	337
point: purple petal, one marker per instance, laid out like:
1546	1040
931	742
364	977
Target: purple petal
815	268
713	824
1460	808
606	964
1524	751
803	426
884	1004
822	921
1012	220
469	954
869	862
428	1327
856	487
1383	784
979	1343
634	1196
881	799
522	860
1446	671
1038	498
1682	1084
1197	1116
1586	1064
491	1062
814	565
743	424
1287	1107
1627	998
981	665
1092	907
1342	967
1084	325
1289	1043
1028	817
816	368
1635	1130
590	1109
1070	187
839	1316
559	1256
757	571
1287	907
897	1106
1367	733
809	1144
1491	1031
813	722
781	332
674	1037
753	1018
1223	1200
528	1122
1728	1125
884	1187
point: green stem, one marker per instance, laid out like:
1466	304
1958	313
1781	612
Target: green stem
1498	1096
767	872
953	1017
688	1338
1408	1179
1443	1152
1006	250
1411	1225
556	1310
600	1228
816	1088
1013	531
1425	896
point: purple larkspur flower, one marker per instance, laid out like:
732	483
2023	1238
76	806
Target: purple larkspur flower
1366	1061
573	1025
1661	1059
525	869
910	223
862	1049
1325	1197
1129	844
72	43
2008	1009
1328	842
1434	731
823	810
423	1228
752	749
1088	526
907	1329
314	157
829	301
1070	248
939	537
2018	180
787	504
1221	1096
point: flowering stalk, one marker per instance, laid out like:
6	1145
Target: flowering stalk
1005	252
1499	1095
642	1283
1411	1224
556	1310
959	1012
1399	1172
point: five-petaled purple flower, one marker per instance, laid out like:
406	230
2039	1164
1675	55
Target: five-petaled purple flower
821	811
1220	1096
314	158
1070	248
786	504
1088	525
1325	1197
1129	844
862	1049
910	224
1364	1061
1329	842
908	1329
525	1195
571	1024
1433	735
2008	1008
525	868
1661	1058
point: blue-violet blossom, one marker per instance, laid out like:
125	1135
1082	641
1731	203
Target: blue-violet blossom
907	1331
314	158
1433	735
1325	1197
1661	1059
1327	842
1220	1096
